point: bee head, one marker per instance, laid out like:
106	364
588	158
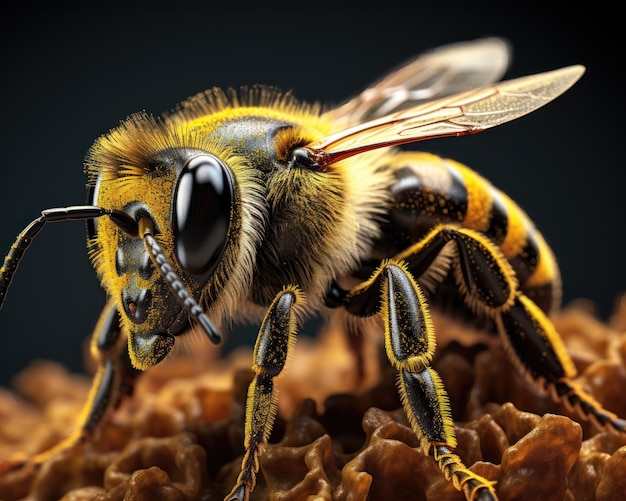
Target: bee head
183	204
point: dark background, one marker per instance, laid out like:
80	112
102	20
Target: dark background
70	74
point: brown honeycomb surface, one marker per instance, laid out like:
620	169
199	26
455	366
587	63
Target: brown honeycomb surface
340	433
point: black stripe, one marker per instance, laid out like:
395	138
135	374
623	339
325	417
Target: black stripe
420	201
456	197
498	218
525	263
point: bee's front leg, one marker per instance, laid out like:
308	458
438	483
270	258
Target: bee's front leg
276	336
110	377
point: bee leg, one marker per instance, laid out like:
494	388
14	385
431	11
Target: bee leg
110	377
410	345
275	338
485	278
488	285
538	351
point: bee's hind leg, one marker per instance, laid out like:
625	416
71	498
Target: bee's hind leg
538	351
275	338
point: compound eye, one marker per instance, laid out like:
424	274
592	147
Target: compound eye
203	201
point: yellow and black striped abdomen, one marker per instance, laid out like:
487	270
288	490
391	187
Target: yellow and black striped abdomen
431	190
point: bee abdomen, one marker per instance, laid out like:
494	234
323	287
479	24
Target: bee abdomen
431	190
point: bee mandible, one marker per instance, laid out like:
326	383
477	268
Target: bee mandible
253	205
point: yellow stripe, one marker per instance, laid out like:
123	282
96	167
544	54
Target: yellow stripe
479	198
516	233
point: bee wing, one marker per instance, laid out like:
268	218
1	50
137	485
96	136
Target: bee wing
441	72
465	113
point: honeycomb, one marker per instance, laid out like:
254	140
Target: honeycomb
340	434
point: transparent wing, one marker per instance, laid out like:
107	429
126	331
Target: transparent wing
466	113
448	70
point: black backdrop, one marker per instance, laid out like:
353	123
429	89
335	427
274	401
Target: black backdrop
69	74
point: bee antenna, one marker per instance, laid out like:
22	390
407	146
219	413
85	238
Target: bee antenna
171	278
28	234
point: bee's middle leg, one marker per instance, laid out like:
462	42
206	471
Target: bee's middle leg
410	345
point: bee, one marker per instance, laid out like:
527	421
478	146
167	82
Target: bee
252	205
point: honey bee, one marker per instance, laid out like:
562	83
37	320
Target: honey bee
252	205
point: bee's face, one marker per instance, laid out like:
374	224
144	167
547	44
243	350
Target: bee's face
187	197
